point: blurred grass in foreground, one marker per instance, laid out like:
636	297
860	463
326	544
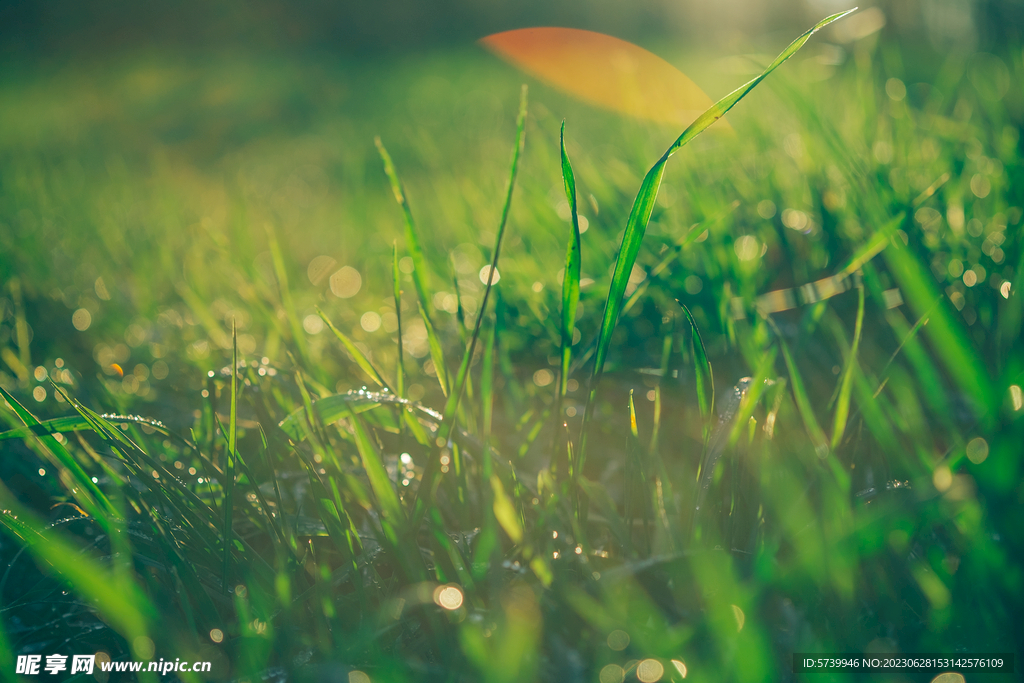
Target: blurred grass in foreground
147	207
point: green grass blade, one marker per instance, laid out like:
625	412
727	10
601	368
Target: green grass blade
487	387
517	149
358	356
436	353
420	275
946	334
703	375
719	109
396	276
846	387
803	403
57	425
873	246
571	277
92	498
643	207
380	483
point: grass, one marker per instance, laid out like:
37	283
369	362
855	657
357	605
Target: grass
802	421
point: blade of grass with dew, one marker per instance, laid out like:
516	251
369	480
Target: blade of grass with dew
643	207
420	275
192	510
423	496
396	278
92	498
846	386
752	395
358	356
571	277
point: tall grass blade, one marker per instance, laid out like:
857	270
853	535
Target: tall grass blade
380	483
643	207
396	278
704	377
846	387
420	274
571	278
436	353
803	403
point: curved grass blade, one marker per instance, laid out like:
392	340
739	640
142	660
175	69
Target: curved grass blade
380	483
420	275
703	375
397	280
436	352
643	206
57	425
846	387
571	278
91	498
358	356
803	403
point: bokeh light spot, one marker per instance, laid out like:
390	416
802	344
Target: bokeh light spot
680	667
1016	397
313	324
543	377
612	673
977	450
346	282
485	273
81	319
370	321
650	670
618	640
448	597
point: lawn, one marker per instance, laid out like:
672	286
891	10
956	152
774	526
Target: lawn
265	416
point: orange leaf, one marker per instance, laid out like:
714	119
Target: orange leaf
603	71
